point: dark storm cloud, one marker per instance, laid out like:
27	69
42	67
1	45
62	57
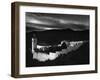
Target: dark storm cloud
43	21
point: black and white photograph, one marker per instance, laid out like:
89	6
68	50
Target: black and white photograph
56	39
52	39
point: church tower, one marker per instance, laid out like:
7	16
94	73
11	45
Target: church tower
34	42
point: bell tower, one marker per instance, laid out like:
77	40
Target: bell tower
34	42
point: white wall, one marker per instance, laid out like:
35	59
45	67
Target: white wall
5	40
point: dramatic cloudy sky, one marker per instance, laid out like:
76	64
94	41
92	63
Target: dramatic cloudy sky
43	21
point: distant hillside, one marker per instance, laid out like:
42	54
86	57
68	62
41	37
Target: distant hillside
56	36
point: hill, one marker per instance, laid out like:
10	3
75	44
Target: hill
55	36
